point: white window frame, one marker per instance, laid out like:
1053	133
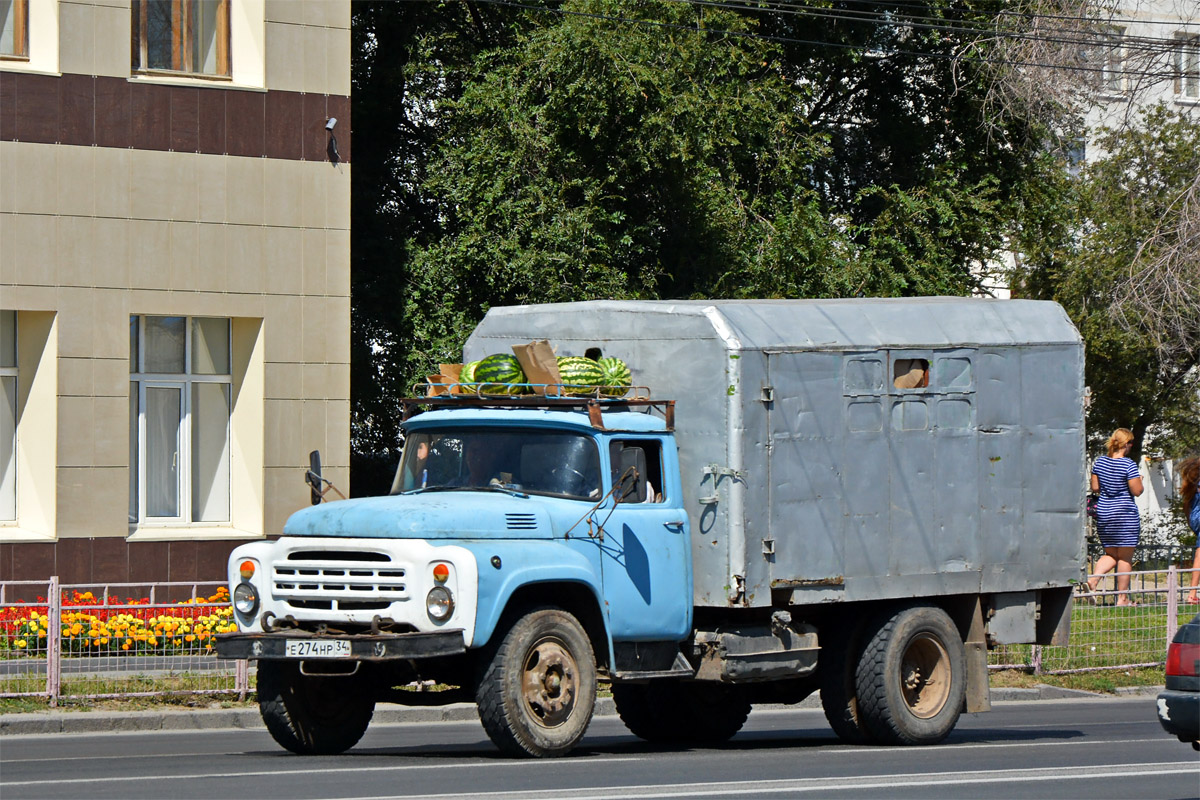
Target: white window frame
12	372
184	383
1112	76
1186	63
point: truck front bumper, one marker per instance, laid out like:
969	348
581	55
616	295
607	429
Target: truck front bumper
365	647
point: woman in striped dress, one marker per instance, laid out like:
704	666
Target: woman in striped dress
1118	481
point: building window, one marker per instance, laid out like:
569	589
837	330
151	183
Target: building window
1113	70
186	36
1187	64
14	29
8	416
179	411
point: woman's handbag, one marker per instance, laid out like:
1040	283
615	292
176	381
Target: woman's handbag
1093	499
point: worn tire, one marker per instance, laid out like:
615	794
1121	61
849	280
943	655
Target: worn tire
839	692
312	715
673	711
911	678
537	690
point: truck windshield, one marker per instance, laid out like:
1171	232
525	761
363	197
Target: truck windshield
535	462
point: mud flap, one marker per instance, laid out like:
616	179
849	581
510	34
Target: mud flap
978	695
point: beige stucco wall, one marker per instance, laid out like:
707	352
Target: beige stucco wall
91	235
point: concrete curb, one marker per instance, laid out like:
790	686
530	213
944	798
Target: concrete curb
48	722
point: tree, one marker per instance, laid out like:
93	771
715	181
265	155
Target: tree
655	149
1130	279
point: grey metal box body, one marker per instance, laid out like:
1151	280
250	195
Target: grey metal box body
846	487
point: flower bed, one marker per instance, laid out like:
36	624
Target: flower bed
94	627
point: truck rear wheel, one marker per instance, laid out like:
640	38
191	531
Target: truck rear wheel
839	693
538	690
911	679
670	711
312	715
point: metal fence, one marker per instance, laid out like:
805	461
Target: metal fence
82	641
1106	635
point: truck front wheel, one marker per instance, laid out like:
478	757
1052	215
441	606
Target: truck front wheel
312	715
538	689
671	711
911	679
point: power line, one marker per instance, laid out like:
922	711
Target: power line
1169	73
1147	44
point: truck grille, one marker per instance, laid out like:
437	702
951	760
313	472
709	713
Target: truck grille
343	580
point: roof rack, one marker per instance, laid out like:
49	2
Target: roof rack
594	405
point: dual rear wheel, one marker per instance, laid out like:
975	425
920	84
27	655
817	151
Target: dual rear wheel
900	680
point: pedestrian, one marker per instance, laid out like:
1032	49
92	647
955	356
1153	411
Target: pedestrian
1117	480
1189	480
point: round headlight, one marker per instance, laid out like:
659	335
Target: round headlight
439	604
245	599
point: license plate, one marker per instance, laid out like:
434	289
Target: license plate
317	648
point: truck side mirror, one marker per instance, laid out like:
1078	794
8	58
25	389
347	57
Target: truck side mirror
313	476
631	475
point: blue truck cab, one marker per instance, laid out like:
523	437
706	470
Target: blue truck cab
495	510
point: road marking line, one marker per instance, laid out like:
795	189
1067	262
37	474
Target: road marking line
791	786
913	779
489	764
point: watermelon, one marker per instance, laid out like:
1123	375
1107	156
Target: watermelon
579	375
617	377
467	376
497	373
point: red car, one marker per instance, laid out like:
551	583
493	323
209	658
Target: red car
1179	703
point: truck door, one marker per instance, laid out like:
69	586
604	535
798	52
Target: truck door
644	553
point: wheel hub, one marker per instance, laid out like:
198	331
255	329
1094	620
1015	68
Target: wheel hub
925	676
549	683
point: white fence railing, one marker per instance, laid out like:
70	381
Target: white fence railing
85	641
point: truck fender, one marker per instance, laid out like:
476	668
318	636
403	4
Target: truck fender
524	564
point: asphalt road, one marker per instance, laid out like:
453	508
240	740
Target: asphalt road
1070	749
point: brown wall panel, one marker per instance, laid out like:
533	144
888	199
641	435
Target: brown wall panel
313	127
112	112
6	565
78	94
73	561
211	137
110	559
339	107
38	105
8	105
185	119
245	123
182	562
116	112
33	561
285	120
150	117
147	561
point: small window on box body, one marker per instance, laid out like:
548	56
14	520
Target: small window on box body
910	373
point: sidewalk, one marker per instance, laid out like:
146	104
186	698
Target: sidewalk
58	721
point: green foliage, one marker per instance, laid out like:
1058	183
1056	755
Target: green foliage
1122	198
658	149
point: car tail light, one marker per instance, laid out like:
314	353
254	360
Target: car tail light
1183	660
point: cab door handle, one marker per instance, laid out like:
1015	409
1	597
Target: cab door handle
675	523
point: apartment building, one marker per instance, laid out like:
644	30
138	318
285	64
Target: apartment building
174	278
